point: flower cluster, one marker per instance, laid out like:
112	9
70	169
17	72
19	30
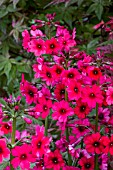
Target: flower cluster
72	97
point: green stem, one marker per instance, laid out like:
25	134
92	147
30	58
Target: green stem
96	130
96	123
96	161
69	156
13	139
46	126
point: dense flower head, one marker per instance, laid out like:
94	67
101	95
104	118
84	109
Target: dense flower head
65	121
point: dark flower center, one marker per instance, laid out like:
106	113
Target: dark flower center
62	111
48	74
52	46
62	91
111	144
39	46
70	75
64	42
95	72
39	144
23	156
92	95
81	128
101	116
55	160
87	165
7	126
45	107
76	89
31	93
58	71
1	150
96	144
82	108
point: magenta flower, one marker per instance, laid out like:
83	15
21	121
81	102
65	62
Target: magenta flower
61	110
47	75
4	151
37	46
74	90
40	144
92	95
54	160
109	94
23	156
43	107
52	46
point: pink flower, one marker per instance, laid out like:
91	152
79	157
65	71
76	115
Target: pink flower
36	33
70	75
37	46
43	107
52	46
81	127
47	75
92	95
23	156
40	144
66	43
54	160
61	110
26	40
74	90
30	92
4	151
57	71
109	94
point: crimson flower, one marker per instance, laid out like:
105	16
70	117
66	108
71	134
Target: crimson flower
54	160
109	94
94	143
87	163
81	109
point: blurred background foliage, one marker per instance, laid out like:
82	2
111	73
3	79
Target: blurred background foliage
17	15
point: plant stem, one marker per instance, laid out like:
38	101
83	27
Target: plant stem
96	161
46	126
69	156
96	129
96	123
13	139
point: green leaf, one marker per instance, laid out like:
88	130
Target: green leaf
99	11
10	8
15	2
3	12
7	68
16	34
80	2
91	8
